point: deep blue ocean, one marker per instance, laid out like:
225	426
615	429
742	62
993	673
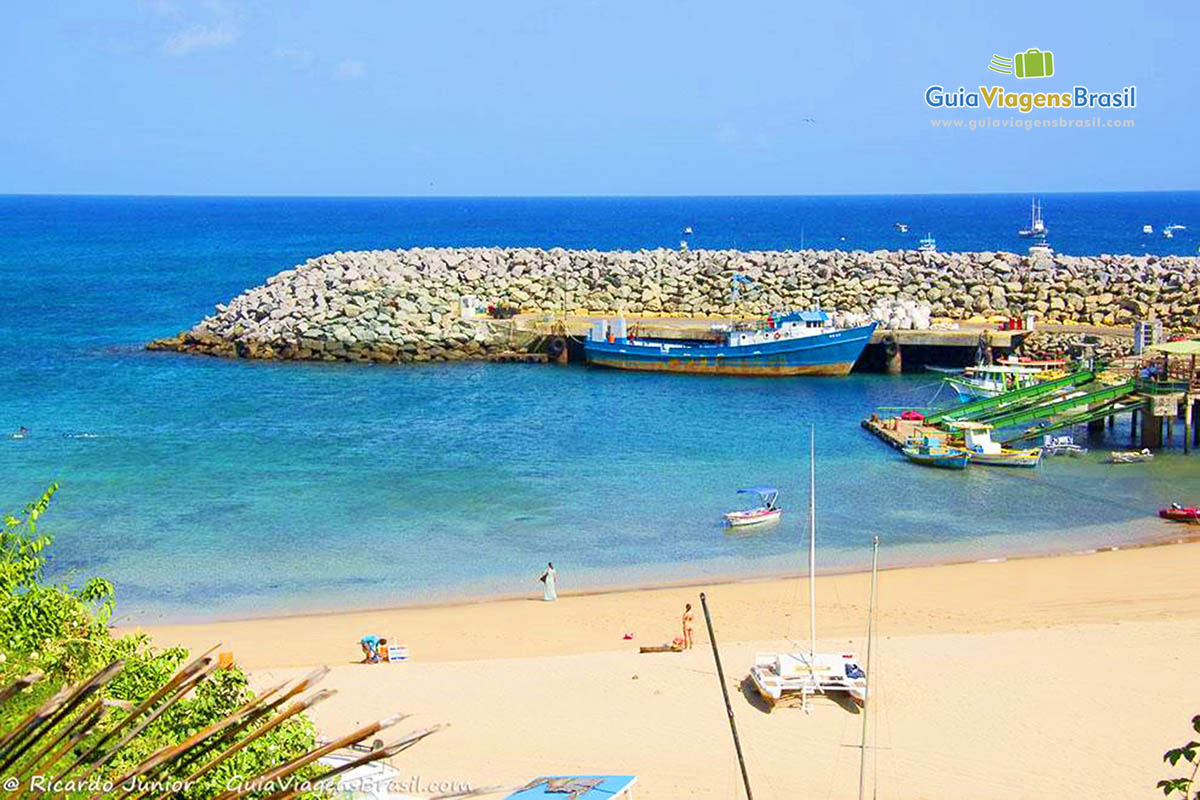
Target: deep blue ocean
207	488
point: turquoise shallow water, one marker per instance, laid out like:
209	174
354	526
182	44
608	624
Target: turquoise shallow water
213	488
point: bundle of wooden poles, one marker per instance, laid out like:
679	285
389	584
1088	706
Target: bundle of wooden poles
69	739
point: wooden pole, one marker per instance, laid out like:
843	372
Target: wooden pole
737	745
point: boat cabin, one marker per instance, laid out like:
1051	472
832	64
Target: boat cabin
793	325
977	437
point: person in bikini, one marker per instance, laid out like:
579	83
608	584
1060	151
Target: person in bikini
687	627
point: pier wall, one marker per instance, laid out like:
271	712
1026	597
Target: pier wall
404	305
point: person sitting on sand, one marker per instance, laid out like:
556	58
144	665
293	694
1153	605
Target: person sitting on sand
687	626
370	647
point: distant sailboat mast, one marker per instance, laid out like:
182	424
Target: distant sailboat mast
862	755
812	543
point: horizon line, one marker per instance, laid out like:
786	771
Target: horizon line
218	196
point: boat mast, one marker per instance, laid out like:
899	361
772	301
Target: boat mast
862	755
812	542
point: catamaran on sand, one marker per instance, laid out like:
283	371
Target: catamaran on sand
793	678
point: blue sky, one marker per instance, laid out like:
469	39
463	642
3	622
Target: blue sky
575	97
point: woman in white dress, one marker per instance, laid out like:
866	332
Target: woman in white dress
549	591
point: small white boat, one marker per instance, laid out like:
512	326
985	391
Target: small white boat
977	438
1147	228
1130	456
1168	233
928	244
901	227
1062	446
765	511
687	231
1041	247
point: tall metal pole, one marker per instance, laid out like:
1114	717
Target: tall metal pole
737	745
812	542
862	755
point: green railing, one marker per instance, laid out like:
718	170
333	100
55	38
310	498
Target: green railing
1118	406
1045	410
980	408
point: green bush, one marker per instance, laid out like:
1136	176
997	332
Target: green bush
1188	753
63	633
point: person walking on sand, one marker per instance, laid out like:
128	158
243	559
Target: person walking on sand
687	626
549	589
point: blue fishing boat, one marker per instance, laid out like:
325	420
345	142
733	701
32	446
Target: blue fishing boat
933	452
795	343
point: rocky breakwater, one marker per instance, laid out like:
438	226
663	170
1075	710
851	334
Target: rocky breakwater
406	305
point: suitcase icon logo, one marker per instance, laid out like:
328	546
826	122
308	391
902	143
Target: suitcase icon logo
1033	63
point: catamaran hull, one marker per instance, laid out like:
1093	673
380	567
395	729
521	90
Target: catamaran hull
779	691
831	354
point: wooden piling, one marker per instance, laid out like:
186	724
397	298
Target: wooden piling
1152	433
894	363
1187	422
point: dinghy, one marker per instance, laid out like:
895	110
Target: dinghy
765	511
1178	513
1130	456
932	452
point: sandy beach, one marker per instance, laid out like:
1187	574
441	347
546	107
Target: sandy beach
1028	678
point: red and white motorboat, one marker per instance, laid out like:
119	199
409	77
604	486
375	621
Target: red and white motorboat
1177	513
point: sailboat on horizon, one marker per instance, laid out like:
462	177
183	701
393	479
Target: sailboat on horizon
1037	226
791	678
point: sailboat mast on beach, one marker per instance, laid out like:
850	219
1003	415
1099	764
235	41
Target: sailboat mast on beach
793	678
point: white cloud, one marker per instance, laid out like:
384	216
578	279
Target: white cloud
350	68
200	37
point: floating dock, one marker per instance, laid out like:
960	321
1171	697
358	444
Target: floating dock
1086	396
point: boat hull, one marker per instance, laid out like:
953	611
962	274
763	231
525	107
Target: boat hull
955	460
1130	457
1180	514
827	354
741	519
1016	458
